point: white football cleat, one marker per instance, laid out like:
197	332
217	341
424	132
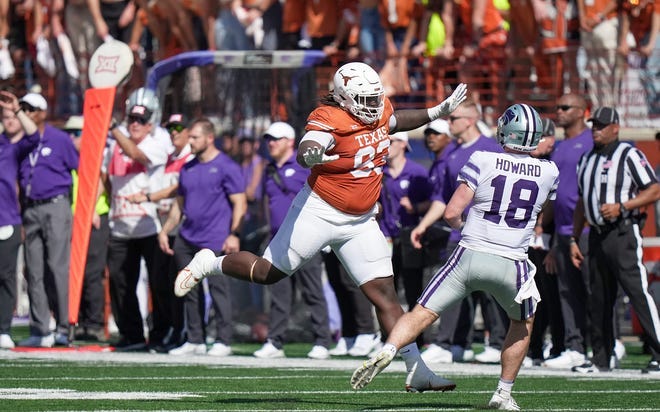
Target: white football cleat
370	368
421	379
199	267
503	402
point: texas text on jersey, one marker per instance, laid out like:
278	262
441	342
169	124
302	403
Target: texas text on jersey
362	150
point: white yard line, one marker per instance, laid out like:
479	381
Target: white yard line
292	364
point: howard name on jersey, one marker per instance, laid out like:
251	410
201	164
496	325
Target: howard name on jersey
510	190
351	183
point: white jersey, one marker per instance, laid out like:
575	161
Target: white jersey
510	190
127	177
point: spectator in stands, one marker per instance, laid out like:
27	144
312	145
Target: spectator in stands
436	36
133	158
19	138
612	195
400	21
91	315
347	36
571	281
212	220
555	62
230	33
482	58
642	19
372	35
547	314
118	16
283	179
86	29
599	38
45	181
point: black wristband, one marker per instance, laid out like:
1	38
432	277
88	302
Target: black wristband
148	197
16	112
236	233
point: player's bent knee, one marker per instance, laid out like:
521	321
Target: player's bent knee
265	273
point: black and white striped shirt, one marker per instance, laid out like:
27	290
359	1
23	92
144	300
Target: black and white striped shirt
613	175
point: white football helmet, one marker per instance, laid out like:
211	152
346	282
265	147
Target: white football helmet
358	90
143	97
520	128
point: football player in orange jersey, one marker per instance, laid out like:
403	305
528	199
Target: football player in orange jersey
345	145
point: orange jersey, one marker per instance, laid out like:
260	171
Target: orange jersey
351	183
492	19
641	14
592	9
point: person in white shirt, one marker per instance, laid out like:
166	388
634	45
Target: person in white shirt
134	158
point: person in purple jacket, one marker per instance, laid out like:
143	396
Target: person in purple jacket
454	332
19	138
571	281
282	180
405	187
438	140
211	197
45	181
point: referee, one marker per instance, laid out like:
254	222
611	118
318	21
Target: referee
614	181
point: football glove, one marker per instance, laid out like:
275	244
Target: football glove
315	155
450	104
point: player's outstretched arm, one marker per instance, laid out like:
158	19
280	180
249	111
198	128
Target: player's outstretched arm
411	119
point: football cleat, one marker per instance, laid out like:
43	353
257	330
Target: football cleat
370	368
199	267
503	401
421	379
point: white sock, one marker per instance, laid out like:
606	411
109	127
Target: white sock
411	356
217	266
505	386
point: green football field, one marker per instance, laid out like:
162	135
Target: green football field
76	380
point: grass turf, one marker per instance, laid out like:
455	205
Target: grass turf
148	383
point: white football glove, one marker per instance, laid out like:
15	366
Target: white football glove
316	156
450	104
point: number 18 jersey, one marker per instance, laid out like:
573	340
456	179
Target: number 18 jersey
510	190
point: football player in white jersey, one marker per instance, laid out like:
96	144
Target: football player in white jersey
507	190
